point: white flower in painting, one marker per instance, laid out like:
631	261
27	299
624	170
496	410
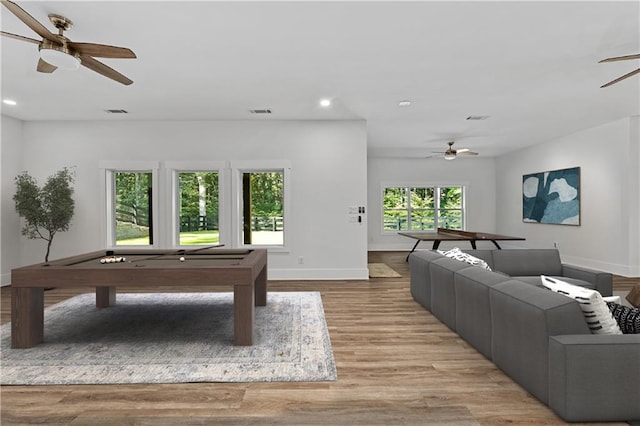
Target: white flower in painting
565	191
530	187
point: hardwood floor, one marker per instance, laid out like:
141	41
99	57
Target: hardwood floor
397	365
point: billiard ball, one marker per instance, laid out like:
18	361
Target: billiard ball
182	259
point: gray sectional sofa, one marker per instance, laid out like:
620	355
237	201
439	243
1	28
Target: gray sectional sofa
537	337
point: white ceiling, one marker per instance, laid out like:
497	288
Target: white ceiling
531	66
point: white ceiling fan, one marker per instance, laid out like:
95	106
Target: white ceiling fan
451	153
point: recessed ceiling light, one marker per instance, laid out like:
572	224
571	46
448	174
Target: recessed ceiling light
9	102
325	103
404	103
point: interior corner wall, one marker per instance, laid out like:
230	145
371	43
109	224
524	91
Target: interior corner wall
607	237
477	174
329	169
11	140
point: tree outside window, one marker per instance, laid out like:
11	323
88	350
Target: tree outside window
199	208
263	208
134	221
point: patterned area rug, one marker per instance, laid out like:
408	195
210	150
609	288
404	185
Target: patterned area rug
173	338
381	270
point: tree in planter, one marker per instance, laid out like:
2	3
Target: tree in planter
47	210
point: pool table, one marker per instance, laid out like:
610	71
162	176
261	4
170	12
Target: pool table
245	270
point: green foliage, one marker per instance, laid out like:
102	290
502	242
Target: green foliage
132	191
267	193
190	186
47	210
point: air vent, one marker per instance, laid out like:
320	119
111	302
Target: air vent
260	111
477	117
117	111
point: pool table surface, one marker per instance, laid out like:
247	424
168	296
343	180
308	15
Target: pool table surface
245	270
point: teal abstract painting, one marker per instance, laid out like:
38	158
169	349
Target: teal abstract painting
552	197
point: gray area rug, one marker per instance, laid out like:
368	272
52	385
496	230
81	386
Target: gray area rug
173	338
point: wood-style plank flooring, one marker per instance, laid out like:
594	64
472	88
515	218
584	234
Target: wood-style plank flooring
397	365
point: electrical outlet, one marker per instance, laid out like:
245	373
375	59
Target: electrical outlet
300	260
556	245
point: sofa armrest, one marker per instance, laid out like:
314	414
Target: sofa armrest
595	377
602	280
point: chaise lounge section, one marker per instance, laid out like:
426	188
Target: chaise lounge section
538	337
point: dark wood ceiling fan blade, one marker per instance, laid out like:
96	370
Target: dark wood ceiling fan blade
45	67
101	50
627	75
103	69
30	21
620	58
19	37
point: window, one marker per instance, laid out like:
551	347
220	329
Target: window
422	208
263	208
199	208
130	209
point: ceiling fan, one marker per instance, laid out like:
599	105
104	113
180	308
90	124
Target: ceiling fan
57	51
451	153
621	58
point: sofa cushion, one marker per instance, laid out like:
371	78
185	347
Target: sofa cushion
522	319
528	262
443	303
457	254
473	309
420	281
594	308
628	319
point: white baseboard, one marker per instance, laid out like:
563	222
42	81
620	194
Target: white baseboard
614	268
318	274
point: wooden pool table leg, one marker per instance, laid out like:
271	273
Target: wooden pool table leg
27	317
261	288
243	315
105	297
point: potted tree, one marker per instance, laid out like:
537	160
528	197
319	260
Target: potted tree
47	210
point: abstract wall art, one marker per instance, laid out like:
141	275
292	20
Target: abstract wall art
552	197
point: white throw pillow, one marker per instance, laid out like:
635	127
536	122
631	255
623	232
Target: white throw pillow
457	254
595	310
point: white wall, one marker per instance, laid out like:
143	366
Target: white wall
477	174
608	158
329	172
10	167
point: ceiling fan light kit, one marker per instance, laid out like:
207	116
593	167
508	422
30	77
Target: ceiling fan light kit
449	155
59	56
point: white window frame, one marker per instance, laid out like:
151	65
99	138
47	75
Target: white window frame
174	168
248	166
436	186
107	171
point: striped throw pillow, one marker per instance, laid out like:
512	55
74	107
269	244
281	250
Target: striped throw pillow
594	308
457	254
